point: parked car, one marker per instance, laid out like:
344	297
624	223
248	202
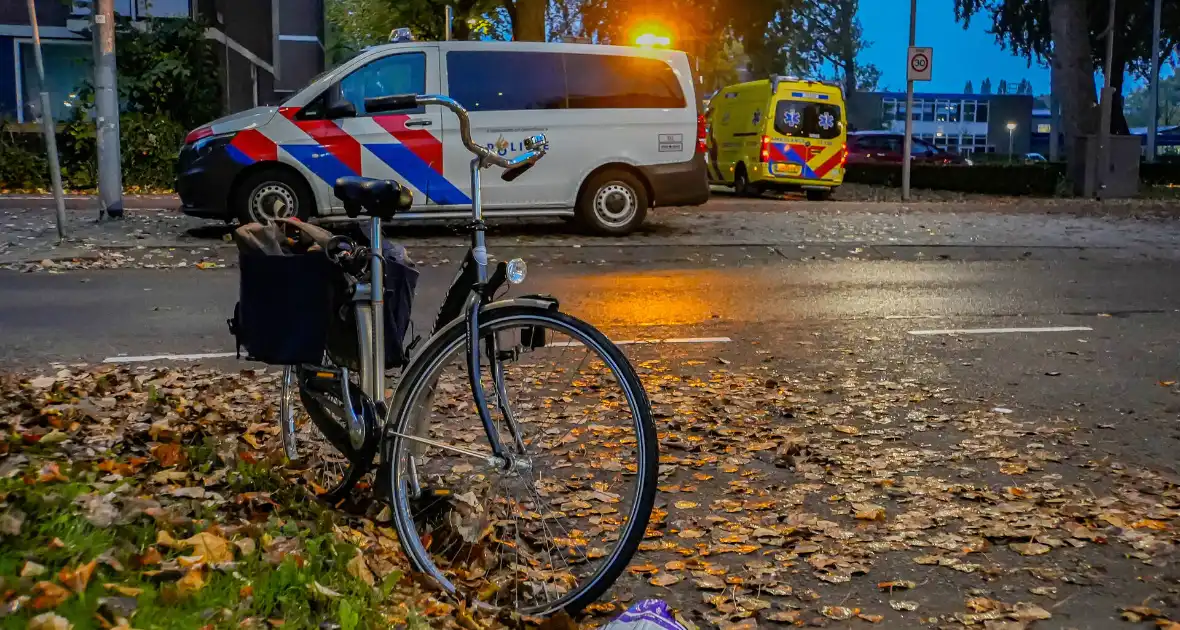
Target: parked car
867	147
623	125
1034	158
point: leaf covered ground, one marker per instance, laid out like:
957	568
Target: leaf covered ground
158	498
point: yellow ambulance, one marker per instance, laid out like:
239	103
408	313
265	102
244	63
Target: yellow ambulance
782	134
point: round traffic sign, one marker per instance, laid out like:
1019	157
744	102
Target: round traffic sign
920	62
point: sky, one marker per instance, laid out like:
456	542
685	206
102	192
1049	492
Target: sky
959	55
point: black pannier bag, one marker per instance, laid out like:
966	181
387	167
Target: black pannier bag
284	306
401	279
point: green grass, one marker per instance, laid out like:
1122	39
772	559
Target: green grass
284	591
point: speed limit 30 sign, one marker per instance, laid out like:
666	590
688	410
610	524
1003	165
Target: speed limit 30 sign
920	62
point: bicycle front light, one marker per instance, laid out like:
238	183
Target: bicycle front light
516	270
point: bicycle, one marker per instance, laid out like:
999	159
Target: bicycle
445	530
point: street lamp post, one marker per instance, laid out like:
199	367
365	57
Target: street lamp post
1011	128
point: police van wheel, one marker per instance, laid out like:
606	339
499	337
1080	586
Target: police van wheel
271	194
613	202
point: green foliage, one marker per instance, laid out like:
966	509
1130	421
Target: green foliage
1139	104
807	37
21	165
166	68
1038	180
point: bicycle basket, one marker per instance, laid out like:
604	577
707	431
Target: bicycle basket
401	280
284	307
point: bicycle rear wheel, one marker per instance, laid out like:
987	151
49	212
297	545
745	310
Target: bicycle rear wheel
553	530
327	462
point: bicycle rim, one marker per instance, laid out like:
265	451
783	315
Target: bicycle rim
329	471
580	497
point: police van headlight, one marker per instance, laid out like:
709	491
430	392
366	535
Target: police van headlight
203	146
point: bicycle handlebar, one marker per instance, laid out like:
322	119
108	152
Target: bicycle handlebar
515	166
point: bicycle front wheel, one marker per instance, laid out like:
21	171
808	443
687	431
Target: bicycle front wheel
553	526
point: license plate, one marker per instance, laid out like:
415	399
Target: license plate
787	169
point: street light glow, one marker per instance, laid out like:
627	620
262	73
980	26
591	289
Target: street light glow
652	40
1011	126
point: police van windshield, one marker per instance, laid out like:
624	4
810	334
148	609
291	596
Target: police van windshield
803	119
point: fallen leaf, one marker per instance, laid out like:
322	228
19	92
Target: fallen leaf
1030	548
1148	523
78	578
665	579
1029	612
846	428
246	546
685	505
49	621
839	613
129	591
192	582
32	569
320	589
213	548
897	604
786	616
166	539
871	618
169	455
48	595
690	533
359	570
981	604
1014	468
869	512
896	585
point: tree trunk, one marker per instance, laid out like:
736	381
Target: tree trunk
1118	75
1072	76
528	19
845	16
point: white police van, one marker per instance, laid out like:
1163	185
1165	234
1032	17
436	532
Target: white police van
623	125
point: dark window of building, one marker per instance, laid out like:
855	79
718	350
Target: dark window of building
807	120
485	81
981	112
613	82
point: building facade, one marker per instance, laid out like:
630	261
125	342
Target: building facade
267	48
963	123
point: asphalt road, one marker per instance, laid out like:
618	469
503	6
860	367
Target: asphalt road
807	312
1101	355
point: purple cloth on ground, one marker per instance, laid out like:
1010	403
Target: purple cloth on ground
649	614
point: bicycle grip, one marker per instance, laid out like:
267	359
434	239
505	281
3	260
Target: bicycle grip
516	171
391	103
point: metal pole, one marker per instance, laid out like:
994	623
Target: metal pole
50	129
1153	124
106	100
908	143
1054	128
1107	104
1009	145
449	14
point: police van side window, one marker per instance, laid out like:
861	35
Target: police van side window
403	73
614	82
485	81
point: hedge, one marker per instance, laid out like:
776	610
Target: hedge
148	144
1039	180
1160	173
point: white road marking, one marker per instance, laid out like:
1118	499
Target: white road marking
170	357
559	344
997	331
